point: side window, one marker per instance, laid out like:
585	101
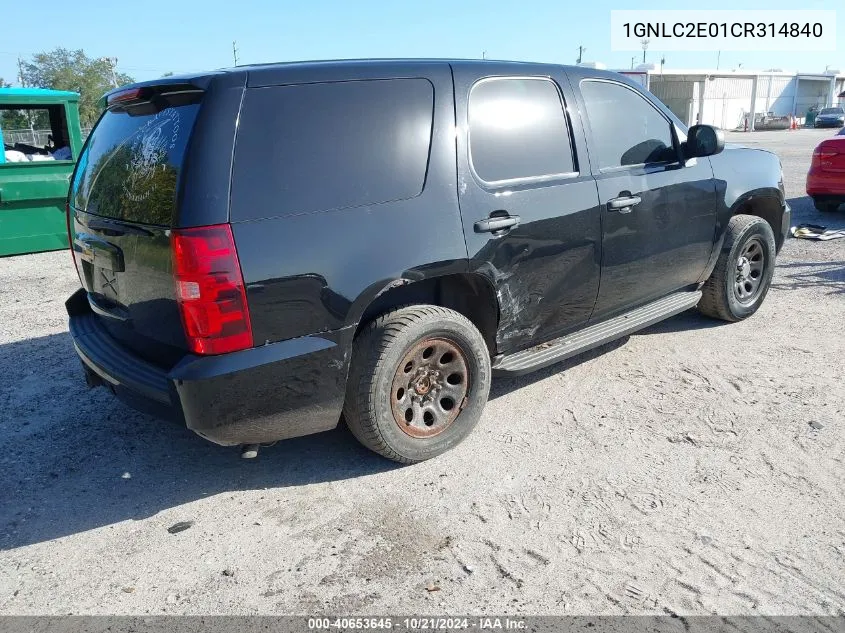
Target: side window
34	133
327	146
627	129
518	129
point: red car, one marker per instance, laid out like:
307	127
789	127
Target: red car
826	178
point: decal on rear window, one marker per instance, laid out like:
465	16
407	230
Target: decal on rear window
149	149
130	167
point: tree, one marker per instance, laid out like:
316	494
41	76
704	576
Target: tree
62	69
13	119
23	119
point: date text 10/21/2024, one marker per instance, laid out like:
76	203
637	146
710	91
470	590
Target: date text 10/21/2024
418	624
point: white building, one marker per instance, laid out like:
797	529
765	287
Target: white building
727	98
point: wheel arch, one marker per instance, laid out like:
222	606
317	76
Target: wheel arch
764	203
470	294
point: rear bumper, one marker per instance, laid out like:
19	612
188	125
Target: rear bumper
822	183
264	394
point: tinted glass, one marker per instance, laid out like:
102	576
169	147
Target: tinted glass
517	129
832	111
627	129
130	167
318	147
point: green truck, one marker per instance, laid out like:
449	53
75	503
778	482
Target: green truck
41	138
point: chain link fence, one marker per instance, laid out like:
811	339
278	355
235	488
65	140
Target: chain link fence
36	138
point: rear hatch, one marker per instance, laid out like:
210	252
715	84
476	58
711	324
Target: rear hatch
123	204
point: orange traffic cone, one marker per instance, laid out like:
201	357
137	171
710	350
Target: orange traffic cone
794	125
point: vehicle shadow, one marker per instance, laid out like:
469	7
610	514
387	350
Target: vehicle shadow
65	452
689	320
505	385
827	275
75	459
804	212
818	274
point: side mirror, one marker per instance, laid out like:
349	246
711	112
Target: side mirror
703	140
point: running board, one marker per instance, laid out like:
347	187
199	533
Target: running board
567	346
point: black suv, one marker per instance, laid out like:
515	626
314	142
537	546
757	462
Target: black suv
266	249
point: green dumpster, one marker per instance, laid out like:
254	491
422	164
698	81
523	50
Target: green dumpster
41	138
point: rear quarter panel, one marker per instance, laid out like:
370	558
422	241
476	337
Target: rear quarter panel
318	271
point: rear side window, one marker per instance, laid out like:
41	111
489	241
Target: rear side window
326	146
130	166
627	129
518	130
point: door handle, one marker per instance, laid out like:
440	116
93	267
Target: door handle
496	224
623	204
99	252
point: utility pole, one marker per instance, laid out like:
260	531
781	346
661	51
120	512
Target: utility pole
20	73
113	65
483	54
581	50
632	62
235	51
718	59
645	43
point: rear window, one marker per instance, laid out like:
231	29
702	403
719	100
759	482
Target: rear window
326	146
130	166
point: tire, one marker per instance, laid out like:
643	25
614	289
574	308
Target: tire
405	414
728	297
825	206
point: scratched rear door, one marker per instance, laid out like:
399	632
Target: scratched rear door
529	204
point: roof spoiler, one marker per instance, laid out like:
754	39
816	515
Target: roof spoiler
148	90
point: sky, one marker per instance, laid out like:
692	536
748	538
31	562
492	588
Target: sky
153	37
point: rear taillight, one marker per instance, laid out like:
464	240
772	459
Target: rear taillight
210	290
69	222
825	156
130	94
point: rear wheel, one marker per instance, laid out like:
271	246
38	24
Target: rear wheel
743	272
825	206
419	380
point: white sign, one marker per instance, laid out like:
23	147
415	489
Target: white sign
702	30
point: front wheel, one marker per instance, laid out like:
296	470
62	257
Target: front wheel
418	382
743	272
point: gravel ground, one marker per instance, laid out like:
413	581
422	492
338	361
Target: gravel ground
692	468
